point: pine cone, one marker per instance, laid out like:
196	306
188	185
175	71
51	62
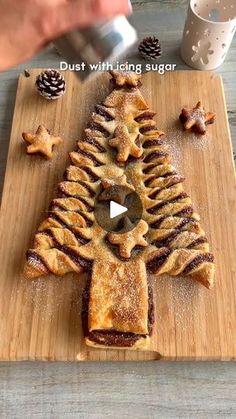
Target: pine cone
150	48
51	84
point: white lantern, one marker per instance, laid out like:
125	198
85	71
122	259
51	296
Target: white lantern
208	32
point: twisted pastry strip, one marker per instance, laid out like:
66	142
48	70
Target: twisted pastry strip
68	226
185	262
174	227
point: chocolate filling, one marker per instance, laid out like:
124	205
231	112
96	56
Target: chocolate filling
89	222
49	233
156	224
182	118
94	142
145	116
81	239
185	211
186	221
154	155
162	204
98	127
101	110
113	337
130	159
77	259
90	156
149	168
89	208
138	141
172	236
87	187
53	206
151	143
205	257
55	217
91	174
152	166
147	128
167	240
157	261
174	181
152	177
196	242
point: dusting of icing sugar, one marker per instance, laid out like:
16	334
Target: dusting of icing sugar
146	92
199	142
185	293
177	135
180	142
181	298
51	295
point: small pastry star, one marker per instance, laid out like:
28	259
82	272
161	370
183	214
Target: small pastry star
41	142
125	144
196	118
127	241
115	189
123	78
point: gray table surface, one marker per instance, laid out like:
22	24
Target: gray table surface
114	390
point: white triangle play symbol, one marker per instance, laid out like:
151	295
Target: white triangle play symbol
116	209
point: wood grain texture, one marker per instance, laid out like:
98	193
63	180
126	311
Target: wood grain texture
153	390
41	319
110	391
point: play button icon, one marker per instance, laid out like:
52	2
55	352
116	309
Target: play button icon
118	209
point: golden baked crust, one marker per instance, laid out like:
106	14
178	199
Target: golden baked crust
119	300
41	142
118	308
196	118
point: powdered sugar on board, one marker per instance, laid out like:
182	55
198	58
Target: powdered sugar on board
183	299
52	295
175	136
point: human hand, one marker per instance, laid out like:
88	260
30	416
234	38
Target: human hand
27	25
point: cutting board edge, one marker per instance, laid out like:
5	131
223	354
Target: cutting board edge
227	123
184	358
10	141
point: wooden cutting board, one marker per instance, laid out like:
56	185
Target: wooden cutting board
41	319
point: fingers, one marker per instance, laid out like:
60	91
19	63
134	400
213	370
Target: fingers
27	25
76	13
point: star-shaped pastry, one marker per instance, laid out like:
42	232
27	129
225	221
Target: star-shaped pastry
127	241
123	78
41	142
196	118
115	189
126	144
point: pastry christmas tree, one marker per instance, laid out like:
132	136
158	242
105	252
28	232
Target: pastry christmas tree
121	146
